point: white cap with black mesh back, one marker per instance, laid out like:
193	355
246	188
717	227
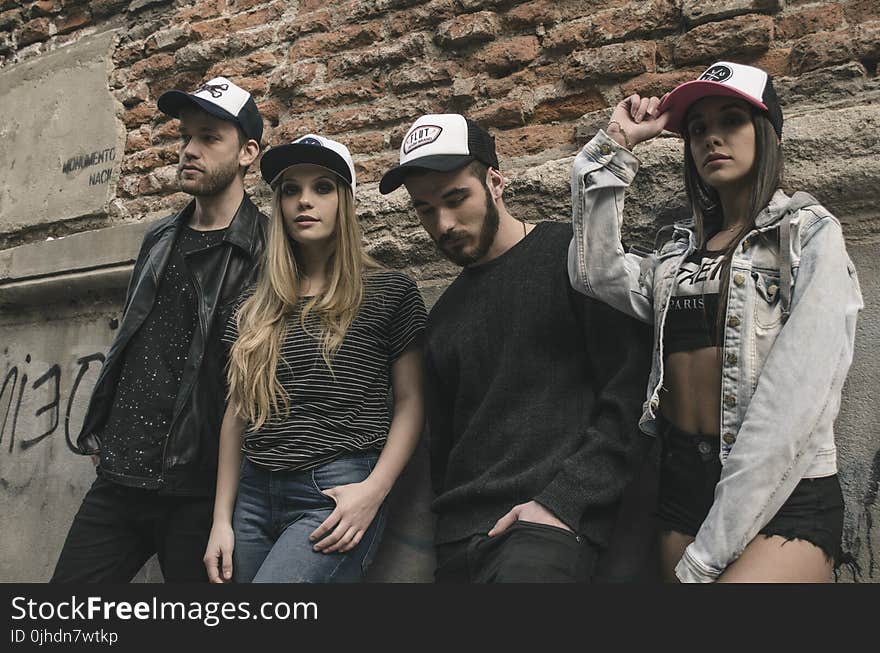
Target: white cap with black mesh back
440	142
221	98
311	148
729	79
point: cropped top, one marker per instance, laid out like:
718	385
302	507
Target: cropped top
693	307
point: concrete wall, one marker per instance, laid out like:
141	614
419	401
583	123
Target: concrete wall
542	75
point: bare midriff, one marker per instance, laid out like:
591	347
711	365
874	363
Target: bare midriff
691	399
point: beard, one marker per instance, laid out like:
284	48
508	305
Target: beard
212	181
486	237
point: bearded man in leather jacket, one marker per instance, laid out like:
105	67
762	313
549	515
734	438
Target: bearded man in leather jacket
153	420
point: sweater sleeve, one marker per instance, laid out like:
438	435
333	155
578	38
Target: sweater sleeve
594	477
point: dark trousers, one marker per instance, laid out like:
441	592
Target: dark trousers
524	553
118	528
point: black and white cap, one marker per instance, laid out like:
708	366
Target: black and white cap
440	142
724	78
310	148
220	98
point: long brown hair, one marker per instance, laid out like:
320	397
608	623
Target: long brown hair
764	179
254	390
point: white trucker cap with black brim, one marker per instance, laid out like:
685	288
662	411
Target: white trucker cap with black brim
441	143
727	79
313	149
221	98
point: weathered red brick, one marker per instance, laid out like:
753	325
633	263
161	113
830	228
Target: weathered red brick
158	63
776	61
135	141
568	106
257	86
612	61
201	10
503	56
527	14
867	40
809	20
365	142
350	36
253	19
419	75
139	115
657	83
186	81
858	11
634	19
291	78
533	139
500	115
165	131
10	19
697	12
38	29
211	29
248	65
349	92
244	5
150	158
271	111
44	8
381	56
169	39
252	39
743	35
129	53
369	169
568	36
102	8
468	29
70	22
425	17
317	21
289	129
134	93
200	55
821	50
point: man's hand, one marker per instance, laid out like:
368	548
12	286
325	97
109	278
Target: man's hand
531	511
637	118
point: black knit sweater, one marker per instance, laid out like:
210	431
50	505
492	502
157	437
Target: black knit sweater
533	391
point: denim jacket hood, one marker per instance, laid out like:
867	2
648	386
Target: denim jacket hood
781	378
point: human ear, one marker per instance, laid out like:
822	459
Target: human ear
248	153
495	182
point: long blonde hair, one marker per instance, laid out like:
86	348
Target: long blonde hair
254	390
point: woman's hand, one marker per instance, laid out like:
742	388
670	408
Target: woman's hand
218	554
635	120
356	506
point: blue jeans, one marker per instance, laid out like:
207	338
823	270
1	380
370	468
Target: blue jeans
275	513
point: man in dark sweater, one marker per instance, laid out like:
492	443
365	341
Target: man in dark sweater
533	391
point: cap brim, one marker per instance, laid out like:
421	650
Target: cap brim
278	159
171	102
682	97
393	179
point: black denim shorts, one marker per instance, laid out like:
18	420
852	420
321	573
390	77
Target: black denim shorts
690	470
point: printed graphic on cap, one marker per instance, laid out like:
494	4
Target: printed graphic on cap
216	90
422	135
717	73
309	141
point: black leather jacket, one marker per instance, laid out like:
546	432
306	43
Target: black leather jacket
219	274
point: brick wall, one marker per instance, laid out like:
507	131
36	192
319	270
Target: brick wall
362	70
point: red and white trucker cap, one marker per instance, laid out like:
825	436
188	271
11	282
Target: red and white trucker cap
724	78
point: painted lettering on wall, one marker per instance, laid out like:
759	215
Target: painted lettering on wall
46	393
82	161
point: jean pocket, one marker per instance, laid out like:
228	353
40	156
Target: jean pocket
547	528
342	471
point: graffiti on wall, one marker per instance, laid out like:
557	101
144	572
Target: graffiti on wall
98	157
44	386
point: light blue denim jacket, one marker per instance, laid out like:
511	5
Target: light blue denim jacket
781	379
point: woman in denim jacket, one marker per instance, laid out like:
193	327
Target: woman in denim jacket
754	303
